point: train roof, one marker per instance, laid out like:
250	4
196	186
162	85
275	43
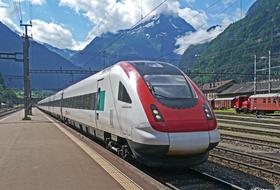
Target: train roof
155	68
273	95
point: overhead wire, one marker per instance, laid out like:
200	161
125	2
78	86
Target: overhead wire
19	4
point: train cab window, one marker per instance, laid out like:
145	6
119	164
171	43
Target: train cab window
171	90
123	95
255	100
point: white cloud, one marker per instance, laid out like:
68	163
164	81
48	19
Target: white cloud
37	2
195	18
53	34
190	1
6	14
199	37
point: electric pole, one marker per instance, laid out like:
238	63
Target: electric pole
104	59
26	76
269	71
255	74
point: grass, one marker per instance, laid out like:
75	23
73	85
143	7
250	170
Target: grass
225	111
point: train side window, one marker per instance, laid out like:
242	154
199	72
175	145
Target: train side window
255	100
274	100
123	95
264	100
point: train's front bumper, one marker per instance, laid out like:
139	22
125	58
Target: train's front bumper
148	144
192	142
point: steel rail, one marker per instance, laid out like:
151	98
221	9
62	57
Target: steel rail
8	112
272	172
248	138
217	180
249	155
250	142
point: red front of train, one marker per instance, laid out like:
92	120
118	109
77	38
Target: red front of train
174	104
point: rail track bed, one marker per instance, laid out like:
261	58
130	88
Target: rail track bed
250	137
5	112
252	161
259	123
193	178
251	143
250	118
250	129
210	175
266	168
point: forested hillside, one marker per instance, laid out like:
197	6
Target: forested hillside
233	50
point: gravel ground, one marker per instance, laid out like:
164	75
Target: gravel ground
234	175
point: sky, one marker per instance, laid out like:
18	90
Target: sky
73	24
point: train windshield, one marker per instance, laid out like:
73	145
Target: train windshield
169	86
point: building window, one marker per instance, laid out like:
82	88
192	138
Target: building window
269	100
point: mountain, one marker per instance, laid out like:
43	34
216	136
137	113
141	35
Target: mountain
40	58
65	53
149	40
234	49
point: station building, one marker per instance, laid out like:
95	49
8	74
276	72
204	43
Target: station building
230	88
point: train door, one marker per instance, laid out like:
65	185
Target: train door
124	107
100	103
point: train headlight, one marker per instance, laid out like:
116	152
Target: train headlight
156	113
208	112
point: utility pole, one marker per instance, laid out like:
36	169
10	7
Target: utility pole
255	74
104	59
269	71
27	88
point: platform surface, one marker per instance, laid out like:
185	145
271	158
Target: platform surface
37	155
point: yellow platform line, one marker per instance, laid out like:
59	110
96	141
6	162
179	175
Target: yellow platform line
120	177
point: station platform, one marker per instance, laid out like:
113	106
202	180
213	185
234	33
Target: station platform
39	155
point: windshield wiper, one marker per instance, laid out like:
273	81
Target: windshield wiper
167	97
160	95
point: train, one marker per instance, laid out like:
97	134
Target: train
149	111
259	103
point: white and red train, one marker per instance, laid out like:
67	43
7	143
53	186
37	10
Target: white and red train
260	103
148	110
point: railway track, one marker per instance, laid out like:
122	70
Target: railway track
251	137
250	130
194	179
251	161
8	111
243	140
244	127
250	118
